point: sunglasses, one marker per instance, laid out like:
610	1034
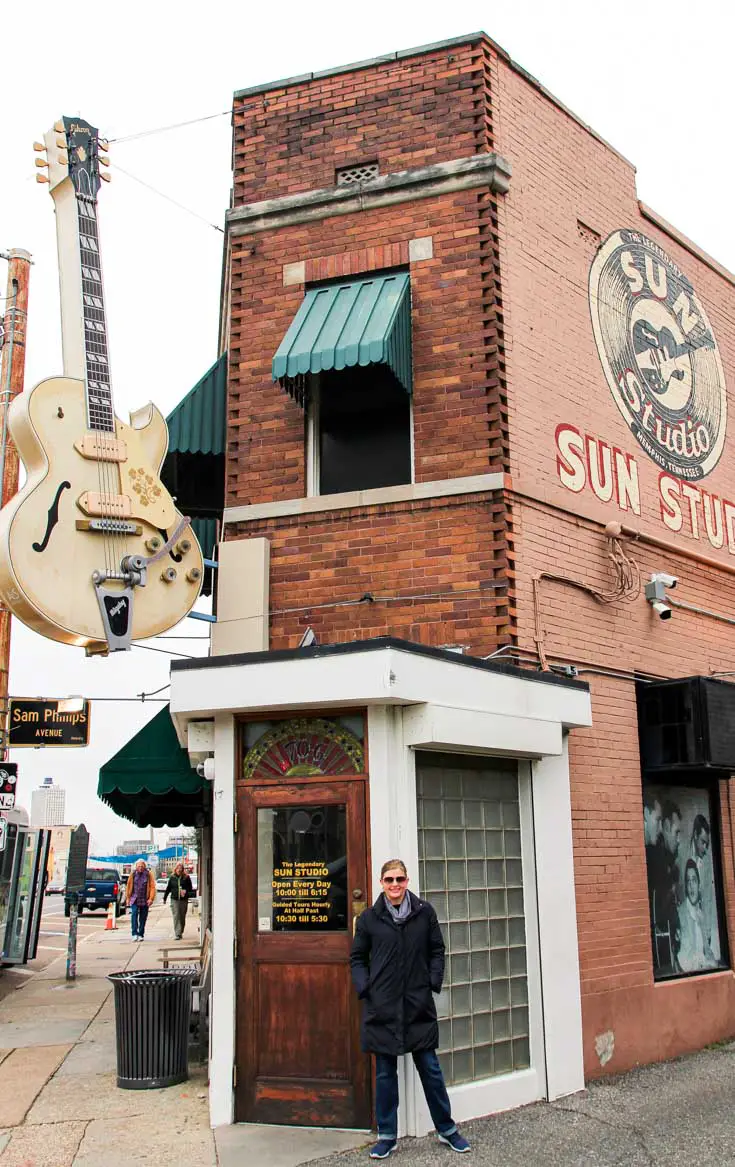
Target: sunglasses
394	878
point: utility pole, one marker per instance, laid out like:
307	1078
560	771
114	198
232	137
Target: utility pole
12	372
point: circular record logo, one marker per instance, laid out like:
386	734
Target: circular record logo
659	354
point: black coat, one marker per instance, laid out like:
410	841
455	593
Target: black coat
175	885
395	969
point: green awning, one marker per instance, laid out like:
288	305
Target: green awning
151	782
197	424
358	322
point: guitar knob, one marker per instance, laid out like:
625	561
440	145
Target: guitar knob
169	575
183	546
153	544
194	574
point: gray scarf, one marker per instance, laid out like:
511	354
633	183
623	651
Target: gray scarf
400	913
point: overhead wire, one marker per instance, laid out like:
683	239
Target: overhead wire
168	198
173	126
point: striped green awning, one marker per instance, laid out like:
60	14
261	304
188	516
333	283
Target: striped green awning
197	424
358	322
150	780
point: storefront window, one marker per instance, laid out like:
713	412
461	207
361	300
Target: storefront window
470	869
684	880
302	869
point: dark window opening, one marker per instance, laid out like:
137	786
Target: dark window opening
364	430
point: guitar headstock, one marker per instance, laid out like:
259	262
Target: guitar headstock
74	150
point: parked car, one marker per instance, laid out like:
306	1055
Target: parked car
103	886
54	889
162	883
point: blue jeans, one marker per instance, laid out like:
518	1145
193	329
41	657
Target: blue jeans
386	1093
138	917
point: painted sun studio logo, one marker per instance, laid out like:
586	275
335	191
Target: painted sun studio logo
659	354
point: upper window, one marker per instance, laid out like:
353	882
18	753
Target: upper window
347	358
359	431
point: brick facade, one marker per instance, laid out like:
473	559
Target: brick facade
504	353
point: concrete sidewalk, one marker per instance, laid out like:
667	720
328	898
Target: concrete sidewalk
59	1100
60	1105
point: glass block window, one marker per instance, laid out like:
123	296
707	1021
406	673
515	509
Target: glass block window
349	175
470	869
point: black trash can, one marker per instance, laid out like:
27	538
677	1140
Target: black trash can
152	1011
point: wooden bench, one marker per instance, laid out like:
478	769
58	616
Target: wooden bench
170	954
188	955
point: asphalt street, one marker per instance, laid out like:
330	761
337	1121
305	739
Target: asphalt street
675	1114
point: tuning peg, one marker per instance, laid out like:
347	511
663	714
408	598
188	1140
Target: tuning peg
41	177
104	161
63	157
40	161
59	127
61	141
103	145
105	176
39	147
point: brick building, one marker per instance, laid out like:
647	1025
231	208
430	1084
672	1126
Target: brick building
476	401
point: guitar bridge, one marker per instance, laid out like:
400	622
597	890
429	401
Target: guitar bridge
109	526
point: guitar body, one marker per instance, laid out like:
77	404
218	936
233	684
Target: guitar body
48	547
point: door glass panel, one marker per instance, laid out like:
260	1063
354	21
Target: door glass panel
302	868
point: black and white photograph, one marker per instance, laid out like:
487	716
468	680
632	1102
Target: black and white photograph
683	880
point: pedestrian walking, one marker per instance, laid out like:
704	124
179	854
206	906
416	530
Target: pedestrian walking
397	962
140	892
179	887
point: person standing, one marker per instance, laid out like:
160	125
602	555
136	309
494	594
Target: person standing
179	887
140	893
397	962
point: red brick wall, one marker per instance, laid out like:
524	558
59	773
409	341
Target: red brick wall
402	114
568	193
503	353
427	549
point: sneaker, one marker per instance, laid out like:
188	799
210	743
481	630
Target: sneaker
456	1141
382	1149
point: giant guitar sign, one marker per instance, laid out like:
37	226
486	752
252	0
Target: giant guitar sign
92	550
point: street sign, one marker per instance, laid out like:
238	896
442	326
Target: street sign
3	833
8	784
76	867
39	722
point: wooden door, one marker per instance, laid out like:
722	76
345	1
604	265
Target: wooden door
301	879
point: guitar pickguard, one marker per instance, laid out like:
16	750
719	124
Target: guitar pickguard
53	518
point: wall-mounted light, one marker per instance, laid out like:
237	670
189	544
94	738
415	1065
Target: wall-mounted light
655	592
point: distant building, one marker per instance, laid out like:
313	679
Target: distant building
134	847
48	803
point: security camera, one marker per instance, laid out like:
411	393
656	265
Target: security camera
655	593
662	610
205	769
667	581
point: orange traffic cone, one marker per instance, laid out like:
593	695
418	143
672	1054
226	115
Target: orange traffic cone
111	921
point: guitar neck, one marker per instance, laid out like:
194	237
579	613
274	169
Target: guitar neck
83	322
100	412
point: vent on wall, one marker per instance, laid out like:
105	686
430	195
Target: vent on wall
349	175
687	724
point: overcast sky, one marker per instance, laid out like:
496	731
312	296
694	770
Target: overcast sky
653	78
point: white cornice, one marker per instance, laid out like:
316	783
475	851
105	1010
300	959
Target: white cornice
423	182
380	496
